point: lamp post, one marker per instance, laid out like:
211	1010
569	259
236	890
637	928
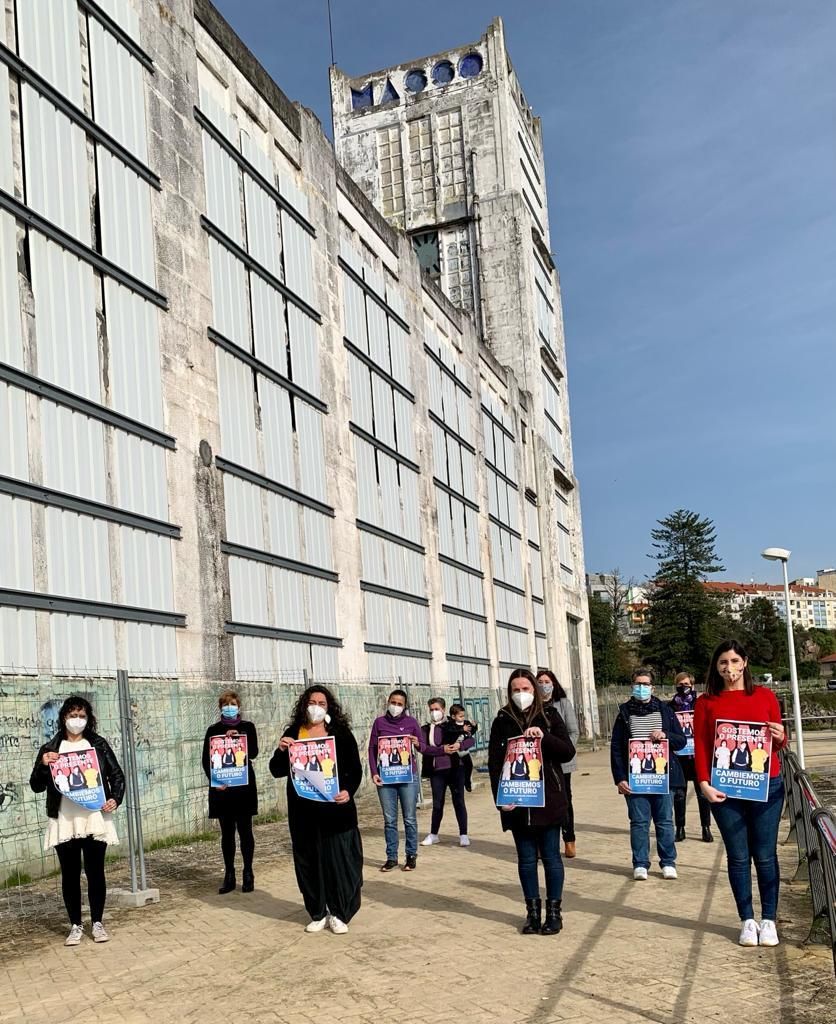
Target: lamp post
782	555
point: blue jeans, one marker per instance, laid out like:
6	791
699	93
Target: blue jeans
405	793
641	809
750	833
545	842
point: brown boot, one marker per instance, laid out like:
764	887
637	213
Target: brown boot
569	850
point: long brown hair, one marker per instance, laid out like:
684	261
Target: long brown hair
525	718
714	682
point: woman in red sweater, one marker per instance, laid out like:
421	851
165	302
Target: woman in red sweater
749	828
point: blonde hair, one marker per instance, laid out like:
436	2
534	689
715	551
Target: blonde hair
682	675
227	697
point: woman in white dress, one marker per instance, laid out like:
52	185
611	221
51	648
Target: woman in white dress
78	833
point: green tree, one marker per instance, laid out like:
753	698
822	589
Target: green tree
684	548
825	640
763	632
609	654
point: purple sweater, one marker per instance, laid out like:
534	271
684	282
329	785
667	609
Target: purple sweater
403	725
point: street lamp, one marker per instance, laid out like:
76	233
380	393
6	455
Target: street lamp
782	555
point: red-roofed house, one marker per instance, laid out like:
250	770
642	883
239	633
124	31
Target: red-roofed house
811	607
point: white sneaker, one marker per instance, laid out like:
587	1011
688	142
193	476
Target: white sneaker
464	841
338	927
749	933
74	938
669	871
431	840
768	935
640	874
317	926
99	933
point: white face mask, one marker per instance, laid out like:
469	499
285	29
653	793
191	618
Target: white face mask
436	715
316	714
76	725
523	699
395	710
546	690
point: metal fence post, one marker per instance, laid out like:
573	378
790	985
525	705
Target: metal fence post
124	728
133	781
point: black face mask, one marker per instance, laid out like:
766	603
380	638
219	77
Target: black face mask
683	689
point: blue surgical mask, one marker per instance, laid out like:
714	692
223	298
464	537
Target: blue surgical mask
229	711
641	692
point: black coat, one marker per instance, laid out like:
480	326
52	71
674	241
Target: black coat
620	740
315	815
113	778
556	748
236	800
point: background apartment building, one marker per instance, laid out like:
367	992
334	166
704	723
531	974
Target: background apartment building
810	605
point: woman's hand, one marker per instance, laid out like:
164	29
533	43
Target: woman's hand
712	795
49	757
414	740
451	748
376	779
779	733
624	788
342	797
508	807
231	732
658	734
533	732
285	742
109	806
220	789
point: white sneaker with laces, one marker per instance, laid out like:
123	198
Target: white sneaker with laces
640	874
317	926
768	933
74	938
431	840
669	871
338	927
99	933
464	841
749	933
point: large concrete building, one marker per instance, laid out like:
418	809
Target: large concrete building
244	435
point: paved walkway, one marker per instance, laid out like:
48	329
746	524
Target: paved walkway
439	944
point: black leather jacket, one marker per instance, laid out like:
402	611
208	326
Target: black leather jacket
113	777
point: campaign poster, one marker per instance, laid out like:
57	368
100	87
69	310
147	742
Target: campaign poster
78	777
649	767
228	761
521	783
742	754
394	759
686	720
313	768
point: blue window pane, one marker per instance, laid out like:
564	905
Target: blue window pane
443	72
416	80
390	94
361	98
471	65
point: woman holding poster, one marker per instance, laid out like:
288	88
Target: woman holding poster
683	707
233	804
536	830
79	831
731	709
327	850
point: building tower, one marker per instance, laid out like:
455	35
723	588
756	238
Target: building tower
448	149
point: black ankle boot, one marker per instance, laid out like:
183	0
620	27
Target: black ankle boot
247	880
680	834
534	917
707	837
228	883
554	919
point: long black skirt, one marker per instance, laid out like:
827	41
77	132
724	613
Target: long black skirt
329	871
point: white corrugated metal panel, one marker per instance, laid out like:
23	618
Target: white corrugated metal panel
371	556
152	650
378	336
80	643
269	331
542	650
125	204
377	630
454	465
411	507
48	40
278	432
248	591
471	524
288	599
324	662
223	189
317	529
389	494
322	596
257	157
146	569
295	196
293	657
433	384
311	451
7	180
118	90
11	343
262	227
384	413
368	498
283	526
348	251
532	522
254	655
73	452
468	474
236	401
394	295
304	349
229	295
298	265
439	451
244	519
77	556
18	646
445	526
361	393
395	566
381	666
539	617
14	452
217	114
449	589
124	15
16	571
141	484
405	421
354	313
133	338
65	319
415	572
58	189
374	279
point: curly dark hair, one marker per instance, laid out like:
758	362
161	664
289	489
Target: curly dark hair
77	703
299	716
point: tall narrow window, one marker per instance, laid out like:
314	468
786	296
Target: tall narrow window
458	277
390	163
421	163
451	155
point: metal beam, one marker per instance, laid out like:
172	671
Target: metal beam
90	609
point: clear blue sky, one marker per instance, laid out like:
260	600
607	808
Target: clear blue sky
692	186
